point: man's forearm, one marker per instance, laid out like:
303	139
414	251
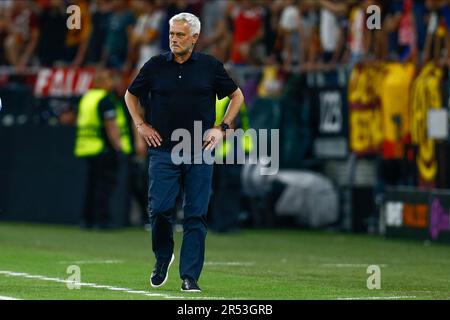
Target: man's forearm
237	99
29	50
137	138
132	103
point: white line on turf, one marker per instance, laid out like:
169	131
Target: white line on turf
350	265
378	298
97	286
234	264
8	298
91	262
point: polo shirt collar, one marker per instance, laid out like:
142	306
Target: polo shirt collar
194	56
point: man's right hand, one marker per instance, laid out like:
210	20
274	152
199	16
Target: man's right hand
150	135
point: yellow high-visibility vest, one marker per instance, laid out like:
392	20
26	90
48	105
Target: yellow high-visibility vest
247	142
89	139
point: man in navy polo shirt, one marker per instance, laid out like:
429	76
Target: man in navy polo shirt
183	86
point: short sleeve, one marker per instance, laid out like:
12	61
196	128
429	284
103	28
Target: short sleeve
107	109
223	84
141	85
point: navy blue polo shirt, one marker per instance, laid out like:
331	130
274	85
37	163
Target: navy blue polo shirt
182	93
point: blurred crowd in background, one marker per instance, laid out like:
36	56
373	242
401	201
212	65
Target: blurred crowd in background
296	34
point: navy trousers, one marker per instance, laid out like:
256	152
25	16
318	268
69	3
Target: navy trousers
165	180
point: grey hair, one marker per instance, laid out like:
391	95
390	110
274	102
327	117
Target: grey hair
192	21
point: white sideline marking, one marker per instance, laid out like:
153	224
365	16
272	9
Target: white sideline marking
217	263
8	298
350	265
97	286
91	262
378	298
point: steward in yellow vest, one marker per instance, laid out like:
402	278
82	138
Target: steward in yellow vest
247	142
102	137
226	200
90	141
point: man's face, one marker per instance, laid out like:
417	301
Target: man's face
180	38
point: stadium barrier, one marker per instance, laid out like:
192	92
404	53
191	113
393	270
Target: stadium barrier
416	214
41	180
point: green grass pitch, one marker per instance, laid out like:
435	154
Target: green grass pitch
253	264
